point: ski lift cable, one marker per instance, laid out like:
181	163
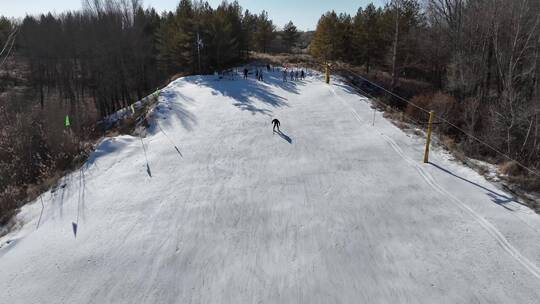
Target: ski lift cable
8	41
388	91
371	97
380	102
534	172
9	51
168	138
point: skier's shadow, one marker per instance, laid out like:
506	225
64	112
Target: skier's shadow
284	136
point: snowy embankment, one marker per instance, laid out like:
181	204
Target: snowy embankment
211	207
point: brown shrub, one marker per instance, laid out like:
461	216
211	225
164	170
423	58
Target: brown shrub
176	76
483	170
447	108
392	115
419	101
511	168
8	203
449	142
527	183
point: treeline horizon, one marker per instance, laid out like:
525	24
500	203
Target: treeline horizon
89	63
116	51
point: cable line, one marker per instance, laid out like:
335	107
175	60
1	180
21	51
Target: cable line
445	121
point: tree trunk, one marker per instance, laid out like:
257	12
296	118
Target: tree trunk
394	51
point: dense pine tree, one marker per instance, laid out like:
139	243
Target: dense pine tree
369	43
290	35
264	33
326	42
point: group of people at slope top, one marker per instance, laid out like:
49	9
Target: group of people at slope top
295	75
258	72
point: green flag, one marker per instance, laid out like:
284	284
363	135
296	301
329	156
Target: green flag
67	121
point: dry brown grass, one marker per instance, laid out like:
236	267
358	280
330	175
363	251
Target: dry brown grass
176	76
295	60
528	183
511	168
443	105
449	143
420	101
398	119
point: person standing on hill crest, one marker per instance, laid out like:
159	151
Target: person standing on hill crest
276	124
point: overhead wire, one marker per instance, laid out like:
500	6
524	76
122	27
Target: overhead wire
447	122
9	51
8	40
365	93
388	91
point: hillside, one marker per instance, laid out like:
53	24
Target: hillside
212	207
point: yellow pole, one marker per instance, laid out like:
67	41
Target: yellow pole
327	73
428	141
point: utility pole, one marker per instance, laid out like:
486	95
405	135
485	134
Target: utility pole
327	72
428	138
199	43
394	51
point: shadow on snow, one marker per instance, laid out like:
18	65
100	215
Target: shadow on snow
178	108
284	136
497	198
247	92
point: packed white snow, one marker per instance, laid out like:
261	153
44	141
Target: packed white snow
212	207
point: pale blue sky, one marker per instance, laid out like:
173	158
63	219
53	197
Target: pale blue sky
304	13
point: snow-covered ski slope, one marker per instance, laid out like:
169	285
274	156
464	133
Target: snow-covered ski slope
335	210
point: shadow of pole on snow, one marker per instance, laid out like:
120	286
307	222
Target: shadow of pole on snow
497	198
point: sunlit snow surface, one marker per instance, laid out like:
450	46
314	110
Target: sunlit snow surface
221	210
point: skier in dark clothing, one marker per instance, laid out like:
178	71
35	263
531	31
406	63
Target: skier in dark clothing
302	75
276	124
245	73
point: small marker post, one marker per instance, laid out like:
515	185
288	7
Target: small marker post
74	227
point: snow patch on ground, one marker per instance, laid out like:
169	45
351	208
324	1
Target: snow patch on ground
212	207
